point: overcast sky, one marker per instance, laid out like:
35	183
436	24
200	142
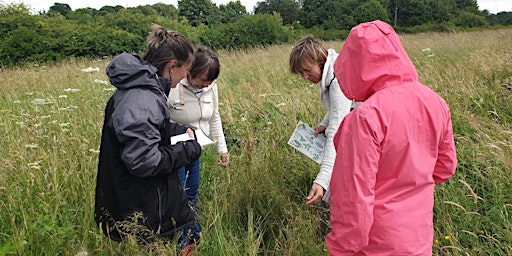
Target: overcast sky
494	6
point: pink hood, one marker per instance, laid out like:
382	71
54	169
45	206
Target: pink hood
377	60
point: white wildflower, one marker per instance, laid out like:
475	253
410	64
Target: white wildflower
94	151
35	165
68	108
91	69
71	90
63	96
38	101
98	81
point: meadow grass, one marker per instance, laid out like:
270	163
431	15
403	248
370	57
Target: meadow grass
51	126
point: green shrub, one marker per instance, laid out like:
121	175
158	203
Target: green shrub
249	31
470	20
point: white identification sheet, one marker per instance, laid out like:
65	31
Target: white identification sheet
303	139
201	138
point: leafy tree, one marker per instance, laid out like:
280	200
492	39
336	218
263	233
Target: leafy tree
199	12
288	9
83	15
470	6
130	20
504	18
417	12
145	10
328	14
232	11
13	17
13	9
371	10
470	20
309	14
168	11
62	9
250	31
107	9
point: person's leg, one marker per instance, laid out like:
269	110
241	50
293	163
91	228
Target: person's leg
183	235
190	177
193	181
182	173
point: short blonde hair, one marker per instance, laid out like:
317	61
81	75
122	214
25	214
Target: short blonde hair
308	49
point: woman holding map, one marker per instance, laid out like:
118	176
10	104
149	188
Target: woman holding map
314	62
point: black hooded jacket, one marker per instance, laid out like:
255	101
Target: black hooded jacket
138	190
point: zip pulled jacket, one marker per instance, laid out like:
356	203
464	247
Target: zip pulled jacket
391	150
138	190
198	112
338	106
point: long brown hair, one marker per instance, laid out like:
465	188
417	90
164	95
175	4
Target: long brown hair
164	45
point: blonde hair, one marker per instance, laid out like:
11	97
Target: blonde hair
307	49
164	45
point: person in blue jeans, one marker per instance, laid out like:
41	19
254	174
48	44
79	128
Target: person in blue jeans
194	103
190	179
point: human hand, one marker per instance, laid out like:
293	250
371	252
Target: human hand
190	133
223	160
316	193
319	129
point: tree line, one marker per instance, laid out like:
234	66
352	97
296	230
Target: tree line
61	32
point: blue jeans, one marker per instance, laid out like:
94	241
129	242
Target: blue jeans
191	181
190	178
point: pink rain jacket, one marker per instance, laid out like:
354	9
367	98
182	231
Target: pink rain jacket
391	150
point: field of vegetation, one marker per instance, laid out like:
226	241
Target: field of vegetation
52	118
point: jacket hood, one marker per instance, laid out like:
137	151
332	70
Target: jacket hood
372	58
129	70
328	71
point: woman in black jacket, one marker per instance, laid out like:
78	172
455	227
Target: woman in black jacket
138	191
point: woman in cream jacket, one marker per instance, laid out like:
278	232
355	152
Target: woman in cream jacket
194	103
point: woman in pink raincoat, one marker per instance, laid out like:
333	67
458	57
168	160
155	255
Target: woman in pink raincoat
391	150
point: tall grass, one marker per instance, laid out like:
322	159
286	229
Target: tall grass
52	118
